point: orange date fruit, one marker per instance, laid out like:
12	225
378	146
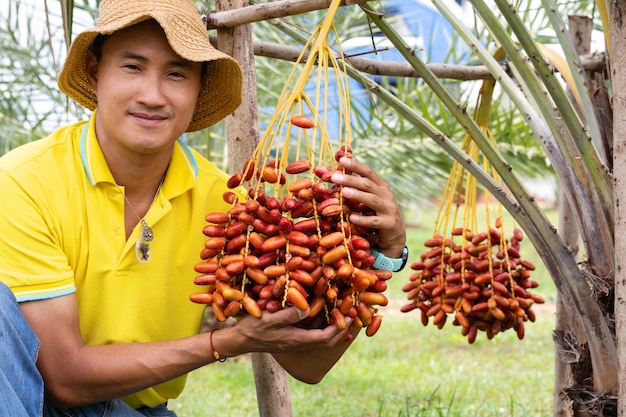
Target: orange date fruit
248	169
302	122
316	306
296	298
373	327
251	306
234	180
334	255
201	298
338	318
274	243
217	218
297	167
218	312
302	277
372	298
300	184
332	239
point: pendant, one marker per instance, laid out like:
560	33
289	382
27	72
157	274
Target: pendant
142	247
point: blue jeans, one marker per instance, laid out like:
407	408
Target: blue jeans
112	408
21	384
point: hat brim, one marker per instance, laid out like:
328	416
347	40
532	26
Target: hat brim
221	90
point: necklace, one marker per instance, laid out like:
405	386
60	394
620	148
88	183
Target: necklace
146	235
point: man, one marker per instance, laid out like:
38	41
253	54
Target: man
101	226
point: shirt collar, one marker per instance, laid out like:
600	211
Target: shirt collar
181	174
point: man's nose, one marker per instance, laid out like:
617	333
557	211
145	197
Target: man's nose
151	92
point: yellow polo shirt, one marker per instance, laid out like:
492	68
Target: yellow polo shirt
62	231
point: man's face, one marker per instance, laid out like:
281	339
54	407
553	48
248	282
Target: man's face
146	92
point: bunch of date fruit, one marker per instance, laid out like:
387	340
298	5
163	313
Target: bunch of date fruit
291	246
481	283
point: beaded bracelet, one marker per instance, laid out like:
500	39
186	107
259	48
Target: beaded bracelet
215	354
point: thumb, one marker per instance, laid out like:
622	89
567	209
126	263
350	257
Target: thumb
295	314
287	316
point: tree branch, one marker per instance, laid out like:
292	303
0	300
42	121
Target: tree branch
265	11
591	62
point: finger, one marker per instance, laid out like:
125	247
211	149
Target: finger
289	315
359	182
348	334
366	187
360	168
381	202
364	190
368	222
327	336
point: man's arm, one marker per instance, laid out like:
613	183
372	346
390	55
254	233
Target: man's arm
77	374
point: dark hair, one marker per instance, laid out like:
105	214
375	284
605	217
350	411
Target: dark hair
98	44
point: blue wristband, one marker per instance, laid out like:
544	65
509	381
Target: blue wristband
389	264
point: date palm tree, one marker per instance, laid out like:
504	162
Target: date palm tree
576	134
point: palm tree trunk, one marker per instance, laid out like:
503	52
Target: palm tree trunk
618	81
563	324
580	30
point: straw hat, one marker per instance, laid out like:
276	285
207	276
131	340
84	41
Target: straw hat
187	36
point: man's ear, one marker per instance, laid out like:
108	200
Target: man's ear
91	67
201	89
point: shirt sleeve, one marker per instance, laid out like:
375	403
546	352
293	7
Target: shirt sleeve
32	261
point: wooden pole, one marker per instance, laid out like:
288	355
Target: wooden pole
243	133
242	127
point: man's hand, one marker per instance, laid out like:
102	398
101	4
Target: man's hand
306	354
365	186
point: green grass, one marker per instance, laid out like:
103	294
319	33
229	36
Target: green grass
406	369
